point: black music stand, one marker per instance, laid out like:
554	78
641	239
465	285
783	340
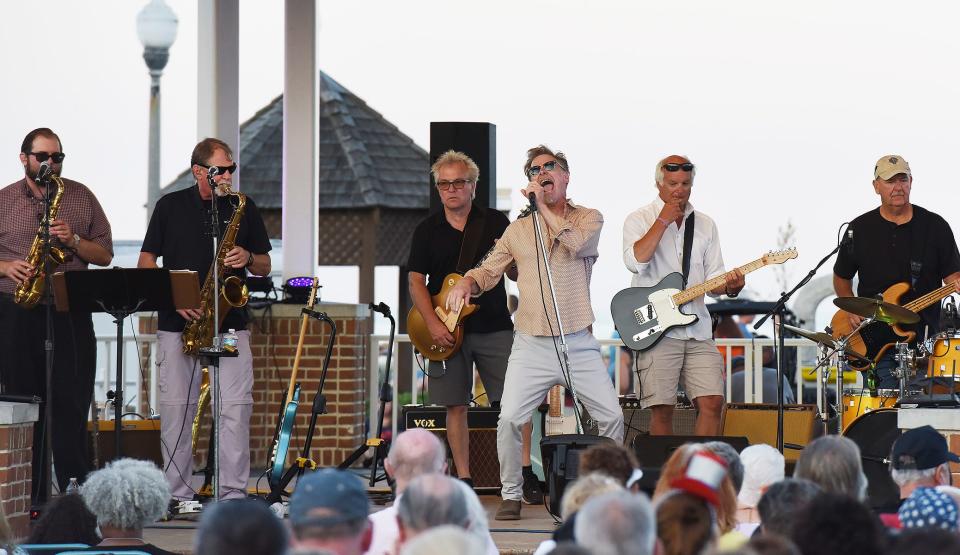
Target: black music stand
121	292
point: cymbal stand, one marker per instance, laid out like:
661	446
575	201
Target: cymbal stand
839	352
905	358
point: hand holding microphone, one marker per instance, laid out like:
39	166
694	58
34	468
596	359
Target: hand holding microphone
534	193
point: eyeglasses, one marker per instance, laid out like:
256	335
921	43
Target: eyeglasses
457	184
232	168
549	166
686	166
44	156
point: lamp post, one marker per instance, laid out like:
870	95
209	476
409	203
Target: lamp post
157	29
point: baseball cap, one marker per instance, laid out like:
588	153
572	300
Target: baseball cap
919	449
889	166
328	497
928	508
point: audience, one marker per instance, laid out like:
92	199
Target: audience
733	459
919	459
834	523
575	496
617	523
929	508
328	512
926	541
125	496
429	501
675	468
833	463
66	519
686	524
477	523
241	527
766	545
615	461
445	540
763	466
779	505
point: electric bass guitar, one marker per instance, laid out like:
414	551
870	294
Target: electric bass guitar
643	314
419	332
288	412
874	339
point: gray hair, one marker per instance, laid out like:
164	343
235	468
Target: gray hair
477	524
779	505
444	540
583	489
658	174
127	494
452	157
416	452
833	463
730	456
907	475
619	523
432	500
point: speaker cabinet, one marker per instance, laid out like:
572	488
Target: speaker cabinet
561	462
478	140
758	422
653	452
482	424
636	421
140	439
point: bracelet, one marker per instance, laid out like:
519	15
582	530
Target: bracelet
249	260
664	221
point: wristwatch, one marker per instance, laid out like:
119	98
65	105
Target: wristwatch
76	240
249	260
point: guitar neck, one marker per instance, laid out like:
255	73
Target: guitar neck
304	322
924	301
692	293
556	401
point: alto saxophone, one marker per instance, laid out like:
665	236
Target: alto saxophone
31	290
231	293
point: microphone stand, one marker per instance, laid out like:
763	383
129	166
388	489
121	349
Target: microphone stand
47	486
779	308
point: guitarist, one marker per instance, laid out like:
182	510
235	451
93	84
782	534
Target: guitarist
456	240
653	247
897	242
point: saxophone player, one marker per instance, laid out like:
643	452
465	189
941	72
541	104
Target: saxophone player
80	229
178	233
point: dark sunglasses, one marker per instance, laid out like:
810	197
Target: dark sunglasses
686	166
457	184
549	166
44	156
232	168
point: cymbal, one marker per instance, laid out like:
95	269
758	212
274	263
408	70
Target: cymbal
815	336
877	309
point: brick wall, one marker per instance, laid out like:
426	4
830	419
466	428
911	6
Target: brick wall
16	444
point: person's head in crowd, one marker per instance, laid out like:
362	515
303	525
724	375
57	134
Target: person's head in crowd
617	523
763	466
241	527
732	458
413	453
835	523
444	540
585	487
779	505
611	459
66	519
833	463
570	548
925	541
328	510
766	545
686	524
429	501
125	496
676	467
929	508
477	523
920	458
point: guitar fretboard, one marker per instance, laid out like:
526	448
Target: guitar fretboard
688	295
924	301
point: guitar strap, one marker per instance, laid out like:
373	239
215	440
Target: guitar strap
687	248
472	232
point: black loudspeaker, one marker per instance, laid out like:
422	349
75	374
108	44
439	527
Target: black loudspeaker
653	452
636	420
482	424
875	433
561	462
479	141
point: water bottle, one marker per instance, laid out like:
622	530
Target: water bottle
73	487
230	340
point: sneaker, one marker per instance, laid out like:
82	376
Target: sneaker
509	510
532	494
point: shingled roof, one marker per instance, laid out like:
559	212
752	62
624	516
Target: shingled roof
365	161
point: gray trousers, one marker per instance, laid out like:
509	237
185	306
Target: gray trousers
178	382
532	370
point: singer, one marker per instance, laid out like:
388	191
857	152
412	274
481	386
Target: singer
897	242
654	237
571	234
179	233
80	228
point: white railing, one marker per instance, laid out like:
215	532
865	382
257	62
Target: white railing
802	372
133	373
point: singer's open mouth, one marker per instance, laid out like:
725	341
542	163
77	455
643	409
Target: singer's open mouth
546	182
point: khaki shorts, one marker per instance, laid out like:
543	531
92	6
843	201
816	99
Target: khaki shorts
698	362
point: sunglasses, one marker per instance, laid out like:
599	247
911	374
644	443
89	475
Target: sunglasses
549	166
44	156
457	184
686	166
232	168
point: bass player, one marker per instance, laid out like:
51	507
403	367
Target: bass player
653	247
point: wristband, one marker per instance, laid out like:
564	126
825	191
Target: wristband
664	221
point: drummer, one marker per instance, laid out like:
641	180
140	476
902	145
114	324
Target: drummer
897	242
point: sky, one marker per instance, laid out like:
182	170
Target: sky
784	107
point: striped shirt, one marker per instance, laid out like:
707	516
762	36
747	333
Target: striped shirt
572	251
21	213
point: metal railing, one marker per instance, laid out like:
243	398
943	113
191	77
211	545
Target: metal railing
134	370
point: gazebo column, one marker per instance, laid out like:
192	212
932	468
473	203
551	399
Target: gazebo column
218	72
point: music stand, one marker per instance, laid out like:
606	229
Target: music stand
121	292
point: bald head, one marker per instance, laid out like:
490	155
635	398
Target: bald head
414	453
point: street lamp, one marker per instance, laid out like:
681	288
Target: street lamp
157	29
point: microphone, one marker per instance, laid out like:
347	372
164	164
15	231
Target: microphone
44	172
533	202
213	171
382	308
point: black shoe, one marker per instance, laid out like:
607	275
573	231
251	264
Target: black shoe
532	494
468	480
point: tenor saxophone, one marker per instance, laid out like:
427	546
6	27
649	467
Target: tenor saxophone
232	292
31	290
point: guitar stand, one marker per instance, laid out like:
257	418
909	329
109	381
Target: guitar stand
380	446
319	407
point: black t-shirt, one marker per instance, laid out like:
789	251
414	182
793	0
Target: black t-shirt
179	234
920	252
435	251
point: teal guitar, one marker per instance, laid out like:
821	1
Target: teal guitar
288	414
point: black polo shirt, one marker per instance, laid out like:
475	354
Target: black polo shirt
435	251
920	252
178	233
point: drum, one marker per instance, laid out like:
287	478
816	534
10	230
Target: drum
944	358
875	432
857	402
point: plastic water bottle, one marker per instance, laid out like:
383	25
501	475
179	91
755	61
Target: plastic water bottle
73	487
230	340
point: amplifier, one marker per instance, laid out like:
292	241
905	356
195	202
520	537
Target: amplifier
482	422
140	440
636	421
758	422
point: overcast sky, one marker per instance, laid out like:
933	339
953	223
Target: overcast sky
784	107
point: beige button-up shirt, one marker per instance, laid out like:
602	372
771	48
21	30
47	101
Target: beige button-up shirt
572	251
